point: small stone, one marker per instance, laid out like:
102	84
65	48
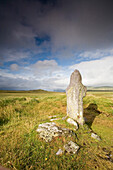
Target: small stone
111	156
95	136
71	121
54	116
60	152
71	147
54	119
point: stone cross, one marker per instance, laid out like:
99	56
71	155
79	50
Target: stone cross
75	93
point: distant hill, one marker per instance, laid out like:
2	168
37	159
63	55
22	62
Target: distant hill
89	88
59	90
24	91
37	91
101	88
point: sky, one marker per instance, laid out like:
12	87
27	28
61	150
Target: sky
43	41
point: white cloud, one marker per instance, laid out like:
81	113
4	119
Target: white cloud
46	68
18	83
97	54
13	55
45	74
96	72
49	75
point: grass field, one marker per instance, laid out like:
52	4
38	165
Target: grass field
20	145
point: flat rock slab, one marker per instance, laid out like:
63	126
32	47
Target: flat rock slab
49	130
71	147
95	136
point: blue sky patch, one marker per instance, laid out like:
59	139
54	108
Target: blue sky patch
40	40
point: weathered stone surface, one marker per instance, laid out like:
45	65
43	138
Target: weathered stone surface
95	136
60	152
49	130
75	93
71	121
71	147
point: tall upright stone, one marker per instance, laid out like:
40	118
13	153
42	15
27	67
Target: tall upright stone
75	93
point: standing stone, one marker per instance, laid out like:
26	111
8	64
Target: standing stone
75	93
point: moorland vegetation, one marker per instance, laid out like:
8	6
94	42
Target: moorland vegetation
20	145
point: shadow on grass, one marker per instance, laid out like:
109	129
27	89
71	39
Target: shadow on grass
90	113
3	121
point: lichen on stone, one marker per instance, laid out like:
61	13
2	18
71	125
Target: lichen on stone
71	147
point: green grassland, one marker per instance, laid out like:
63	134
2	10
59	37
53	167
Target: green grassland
20	145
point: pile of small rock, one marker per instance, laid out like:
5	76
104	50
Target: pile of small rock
49	130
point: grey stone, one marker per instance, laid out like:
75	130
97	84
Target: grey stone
54	116
54	119
60	152
49	130
71	147
75	93
71	121
95	136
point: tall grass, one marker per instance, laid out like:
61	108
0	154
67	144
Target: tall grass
20	145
